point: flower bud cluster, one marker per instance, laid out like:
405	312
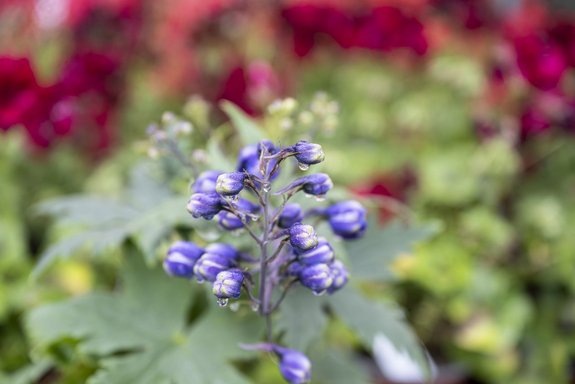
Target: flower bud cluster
163	137
297	255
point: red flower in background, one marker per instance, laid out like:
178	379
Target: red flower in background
394	186
541	61
381	28
252	88
19	91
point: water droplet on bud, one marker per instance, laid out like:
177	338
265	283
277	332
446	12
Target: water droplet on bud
235	306
255	307
255	217
320	198
307	195
267	187
223	302
303	167
233	199
200	280
318	293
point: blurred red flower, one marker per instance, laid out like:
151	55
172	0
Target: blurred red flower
18	91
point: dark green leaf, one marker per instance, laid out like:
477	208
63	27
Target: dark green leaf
147	323
302	318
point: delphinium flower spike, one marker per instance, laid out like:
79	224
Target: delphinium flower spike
289	251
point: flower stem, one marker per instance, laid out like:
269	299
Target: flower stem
262	295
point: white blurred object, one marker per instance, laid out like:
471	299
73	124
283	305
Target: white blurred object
51	13
396	365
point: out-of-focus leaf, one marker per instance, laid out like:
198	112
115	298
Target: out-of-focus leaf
371	256
145	191
148	219
218	160
369	318
29	374
100	239
332	367
248	129
302	318
84	209
148	320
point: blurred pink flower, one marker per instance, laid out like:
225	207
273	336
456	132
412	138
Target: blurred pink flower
540	60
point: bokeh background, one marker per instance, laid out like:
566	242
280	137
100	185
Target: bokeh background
460	112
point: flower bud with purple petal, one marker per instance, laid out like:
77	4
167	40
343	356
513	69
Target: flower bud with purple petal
317	184
181	258
347	219
206	182
302	237
224	250
294	366
230	221
228	284
230	184
309	153
209	265
268	145
291	214
205	205
322	254
340	276
294	269
249	158
317	277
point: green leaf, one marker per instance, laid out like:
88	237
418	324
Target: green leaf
148	216
85	209
371	256
333	367
218	160
30	374
368	318
100	239
301	318
249	131
147	322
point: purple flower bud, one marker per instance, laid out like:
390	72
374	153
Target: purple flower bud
294	269
270	147
205	205
294	366
309	153
181	258
224	250
209	265
230	184
317	277
230	221
340	276
347	219
228	284
249	158
291	214
322	254
206	182
302	237
317	184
